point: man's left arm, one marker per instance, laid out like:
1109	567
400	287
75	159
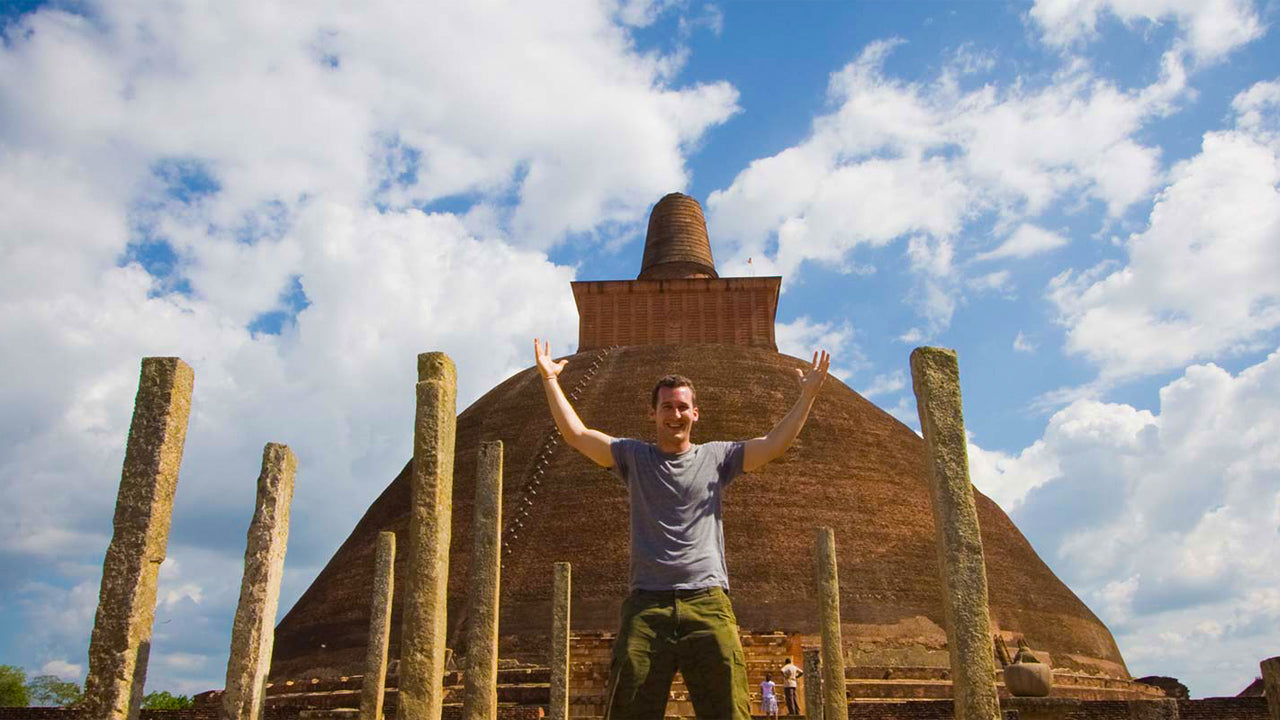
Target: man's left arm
761	450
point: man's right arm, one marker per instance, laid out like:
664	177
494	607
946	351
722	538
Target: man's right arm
594	444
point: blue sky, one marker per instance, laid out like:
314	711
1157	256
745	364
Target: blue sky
1080	196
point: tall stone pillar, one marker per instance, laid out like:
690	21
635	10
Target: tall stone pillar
935	374
561	592
1271	685
480	699
812	684
375	659
834	701
121	640
253	633
422	636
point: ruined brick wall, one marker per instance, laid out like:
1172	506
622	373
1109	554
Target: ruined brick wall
1224	708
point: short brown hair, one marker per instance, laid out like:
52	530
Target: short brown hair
673	382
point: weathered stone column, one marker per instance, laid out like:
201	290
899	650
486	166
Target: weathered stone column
834	701
1271	685
480	699
375	662
812	684
561	592
253	633
935	374
121	640
422	637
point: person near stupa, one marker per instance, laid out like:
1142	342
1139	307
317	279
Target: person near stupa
678	615
768	700
790	672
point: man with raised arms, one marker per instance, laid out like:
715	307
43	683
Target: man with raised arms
678	615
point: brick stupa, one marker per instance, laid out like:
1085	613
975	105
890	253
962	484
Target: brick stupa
855	468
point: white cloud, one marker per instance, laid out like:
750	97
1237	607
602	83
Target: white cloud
348	104
1210	28
1026	241
1163	522
998	281
64	670
1023	344
803	336
885	384
921	161
1203	279
1256	108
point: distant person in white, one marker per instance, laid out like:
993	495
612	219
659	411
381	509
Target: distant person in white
789	674
768	701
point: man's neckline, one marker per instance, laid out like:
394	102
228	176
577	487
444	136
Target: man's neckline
673	456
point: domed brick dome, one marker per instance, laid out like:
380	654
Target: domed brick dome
854	468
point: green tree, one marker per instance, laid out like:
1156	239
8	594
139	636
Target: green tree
162	700
45	690
13	686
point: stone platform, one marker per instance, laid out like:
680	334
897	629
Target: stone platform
527	684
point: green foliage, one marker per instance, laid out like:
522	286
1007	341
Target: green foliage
13	686
162	700
46	690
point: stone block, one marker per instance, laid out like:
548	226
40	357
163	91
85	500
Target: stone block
834	700
560	605
121	639
253	631
935	375
423	634
480	700
373	689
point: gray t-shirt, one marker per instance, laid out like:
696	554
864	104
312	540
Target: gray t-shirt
677	537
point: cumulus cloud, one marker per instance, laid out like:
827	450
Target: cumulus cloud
1203	279
885	384
1026	241
1164	522
64	670
296	203
803	336
1023	344
1209	28
920	162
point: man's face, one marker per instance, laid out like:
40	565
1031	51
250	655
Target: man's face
674	416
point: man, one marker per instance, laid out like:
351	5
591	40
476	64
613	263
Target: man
678	615
789	674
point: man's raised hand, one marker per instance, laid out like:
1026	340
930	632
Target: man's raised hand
812	377
542	357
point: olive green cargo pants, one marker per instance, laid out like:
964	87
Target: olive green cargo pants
693	631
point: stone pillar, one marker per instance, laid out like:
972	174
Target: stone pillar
1271	685
935	374
480	699
812	683
422	636
375	659
253	633
121	640
561	592
834	701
